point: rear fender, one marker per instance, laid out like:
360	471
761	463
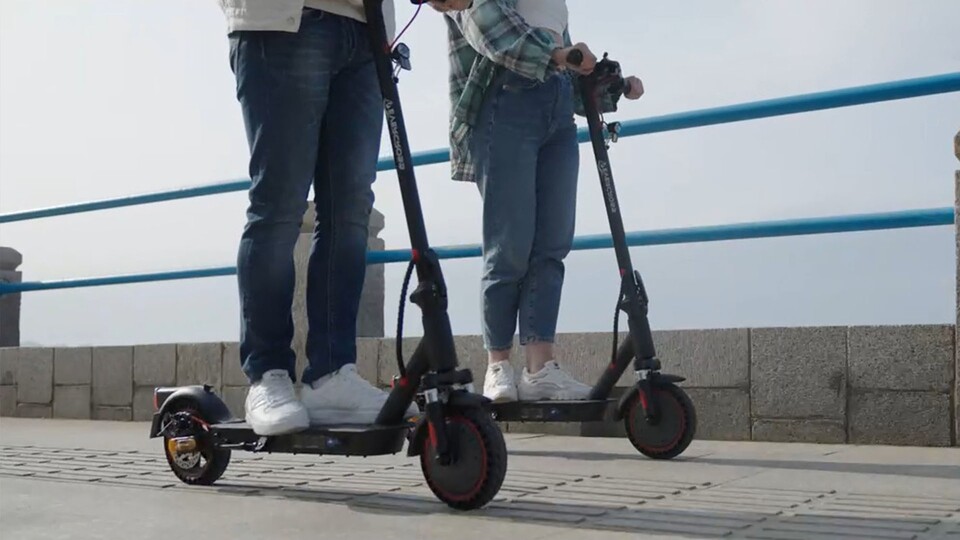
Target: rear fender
212	409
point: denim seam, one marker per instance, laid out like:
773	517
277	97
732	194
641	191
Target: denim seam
488	141
329	285
531	280
349	33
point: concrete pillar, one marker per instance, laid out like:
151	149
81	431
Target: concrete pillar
956	342
370	321
10	259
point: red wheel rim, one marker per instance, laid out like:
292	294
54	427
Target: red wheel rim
680	431
481	478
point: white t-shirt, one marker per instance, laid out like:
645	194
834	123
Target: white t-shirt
550	15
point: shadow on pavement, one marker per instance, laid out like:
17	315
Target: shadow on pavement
897	469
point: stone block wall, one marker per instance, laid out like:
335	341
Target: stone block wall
865	385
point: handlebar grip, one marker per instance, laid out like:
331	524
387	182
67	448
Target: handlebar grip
575	57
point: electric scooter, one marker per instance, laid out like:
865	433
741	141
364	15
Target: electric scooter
659	417
461	449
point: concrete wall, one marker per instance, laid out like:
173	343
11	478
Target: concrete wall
865	385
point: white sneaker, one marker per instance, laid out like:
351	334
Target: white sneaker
552	383
272	407
344	397
500	382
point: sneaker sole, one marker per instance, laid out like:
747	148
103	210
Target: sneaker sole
504	396
275	429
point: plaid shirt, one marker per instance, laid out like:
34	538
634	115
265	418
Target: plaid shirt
485	39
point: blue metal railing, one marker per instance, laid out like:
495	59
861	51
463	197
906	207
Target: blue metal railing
844	97
763	229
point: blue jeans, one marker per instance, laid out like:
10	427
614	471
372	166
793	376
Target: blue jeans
313	112
526	145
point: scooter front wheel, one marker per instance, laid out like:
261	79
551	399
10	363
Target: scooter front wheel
668	435
478	462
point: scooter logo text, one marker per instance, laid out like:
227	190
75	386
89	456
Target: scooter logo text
394	133
607	180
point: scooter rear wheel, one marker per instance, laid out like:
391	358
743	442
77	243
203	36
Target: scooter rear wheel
205	464
668	436
479	467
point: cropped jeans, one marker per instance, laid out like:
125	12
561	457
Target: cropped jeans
525	143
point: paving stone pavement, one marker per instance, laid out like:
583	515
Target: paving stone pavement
582	496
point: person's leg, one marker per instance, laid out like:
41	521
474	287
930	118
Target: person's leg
557	171
346	170
556	193
333	391
513	126
282	81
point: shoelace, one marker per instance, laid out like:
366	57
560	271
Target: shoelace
556	373
499	375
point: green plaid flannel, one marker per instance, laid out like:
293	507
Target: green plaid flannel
486	38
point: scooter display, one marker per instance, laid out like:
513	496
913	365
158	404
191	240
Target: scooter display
461	449
659	417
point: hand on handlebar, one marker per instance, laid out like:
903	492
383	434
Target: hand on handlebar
577	58
632	88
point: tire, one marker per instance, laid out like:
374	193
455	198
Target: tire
672	434
475	478
211	462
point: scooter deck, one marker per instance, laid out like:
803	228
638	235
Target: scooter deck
343	440
554	411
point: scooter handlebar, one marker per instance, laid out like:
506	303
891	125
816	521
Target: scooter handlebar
606	73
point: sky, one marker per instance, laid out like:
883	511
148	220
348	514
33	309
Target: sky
106	98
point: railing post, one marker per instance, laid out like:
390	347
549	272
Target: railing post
10	259
370	320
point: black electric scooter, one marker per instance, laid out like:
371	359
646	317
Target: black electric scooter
461	449
659	417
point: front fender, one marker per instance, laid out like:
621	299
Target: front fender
466	400
212	409
458	401
657	381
